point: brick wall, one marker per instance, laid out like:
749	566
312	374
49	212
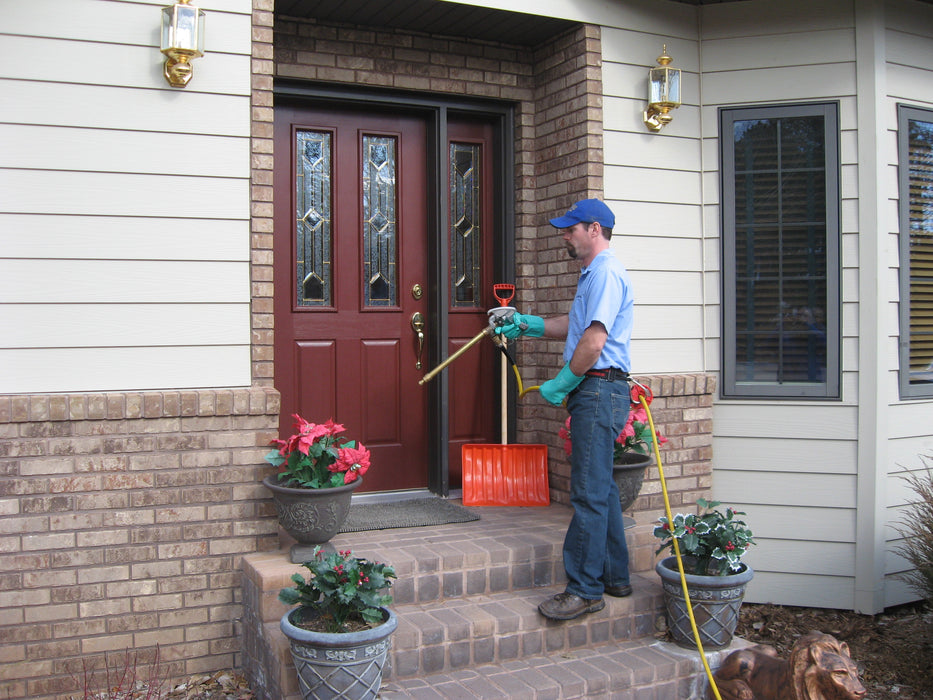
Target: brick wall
124	518
682	410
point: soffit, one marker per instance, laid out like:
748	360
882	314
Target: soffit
431	17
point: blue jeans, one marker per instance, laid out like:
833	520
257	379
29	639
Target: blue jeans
595	553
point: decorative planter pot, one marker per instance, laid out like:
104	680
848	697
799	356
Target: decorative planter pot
716	601
347	665
629	472
311	516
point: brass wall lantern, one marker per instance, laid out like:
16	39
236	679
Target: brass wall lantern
182	41
663	92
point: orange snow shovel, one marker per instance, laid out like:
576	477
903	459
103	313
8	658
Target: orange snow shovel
503	475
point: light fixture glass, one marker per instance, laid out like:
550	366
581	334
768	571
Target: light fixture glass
182	40
663	92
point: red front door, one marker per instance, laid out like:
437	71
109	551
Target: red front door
354	309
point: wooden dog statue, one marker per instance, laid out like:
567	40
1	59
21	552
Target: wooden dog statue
819	668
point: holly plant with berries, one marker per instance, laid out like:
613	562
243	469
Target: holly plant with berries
342	589
715	540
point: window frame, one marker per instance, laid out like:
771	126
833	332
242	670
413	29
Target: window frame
906	113
830	387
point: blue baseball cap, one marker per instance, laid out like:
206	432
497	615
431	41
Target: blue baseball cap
586	211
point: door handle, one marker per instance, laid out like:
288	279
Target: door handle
417	325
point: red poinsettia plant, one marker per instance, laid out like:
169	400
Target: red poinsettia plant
635	436
318	457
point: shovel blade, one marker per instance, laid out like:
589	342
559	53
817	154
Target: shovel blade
505	475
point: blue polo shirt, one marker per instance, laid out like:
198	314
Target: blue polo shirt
604	294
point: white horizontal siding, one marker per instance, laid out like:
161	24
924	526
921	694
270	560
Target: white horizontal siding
121	194
124	203
628	114
653	180
659	253
646	150
896	592
106	107
109	281
795	523
135	23
804	48
64	61
635	218
111	151
808	590
807	489
803	557
34	370
122	325
666	287
126	238
666	321
662	356
786	456
789	421
768	85
784	17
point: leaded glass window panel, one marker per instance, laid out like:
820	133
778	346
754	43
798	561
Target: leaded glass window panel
465	225
313	283
780	251
380	233
915	147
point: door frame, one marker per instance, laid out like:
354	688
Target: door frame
436	108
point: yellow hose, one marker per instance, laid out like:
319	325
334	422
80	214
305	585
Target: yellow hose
680	564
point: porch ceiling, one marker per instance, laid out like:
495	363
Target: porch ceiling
432	17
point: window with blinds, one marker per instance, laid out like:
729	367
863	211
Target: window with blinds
780	214
915	155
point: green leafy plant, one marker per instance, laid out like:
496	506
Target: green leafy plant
316	457
715	540
342	589
635	436
917	530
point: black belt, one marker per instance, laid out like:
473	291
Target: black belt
612	374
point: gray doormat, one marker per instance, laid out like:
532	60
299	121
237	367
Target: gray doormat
417	512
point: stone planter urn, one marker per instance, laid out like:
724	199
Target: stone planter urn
345	665
715	600
311	516
628	471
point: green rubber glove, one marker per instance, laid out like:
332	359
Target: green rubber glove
522	324
555	390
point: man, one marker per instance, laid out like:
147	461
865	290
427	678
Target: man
594	380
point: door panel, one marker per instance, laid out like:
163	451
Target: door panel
351	235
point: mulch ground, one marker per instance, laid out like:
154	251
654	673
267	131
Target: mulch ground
893	650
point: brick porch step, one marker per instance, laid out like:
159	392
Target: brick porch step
634	670
466	599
